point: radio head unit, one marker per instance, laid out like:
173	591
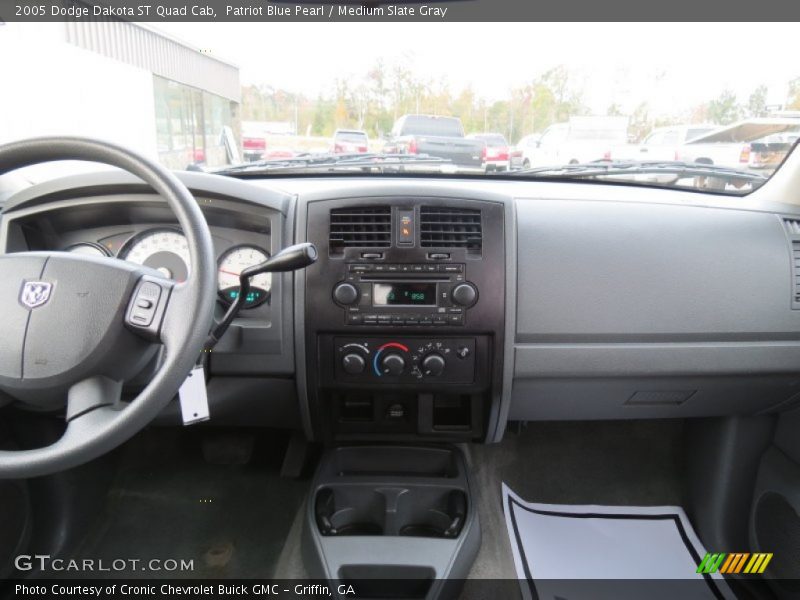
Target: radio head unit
405	294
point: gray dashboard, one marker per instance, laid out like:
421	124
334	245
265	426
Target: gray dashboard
630	302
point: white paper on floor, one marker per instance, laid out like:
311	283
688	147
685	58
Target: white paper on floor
626	551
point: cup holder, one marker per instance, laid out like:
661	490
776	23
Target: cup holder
348	511
429	512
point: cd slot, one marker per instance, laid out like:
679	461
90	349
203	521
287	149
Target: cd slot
404	277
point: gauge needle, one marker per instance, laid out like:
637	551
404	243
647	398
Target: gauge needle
229	272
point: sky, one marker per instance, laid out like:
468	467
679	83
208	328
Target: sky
672	66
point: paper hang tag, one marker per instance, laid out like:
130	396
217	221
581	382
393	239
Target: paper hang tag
193	397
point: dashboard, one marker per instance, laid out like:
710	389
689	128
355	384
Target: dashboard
440	309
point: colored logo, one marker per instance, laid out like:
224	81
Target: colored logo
735	562
35	293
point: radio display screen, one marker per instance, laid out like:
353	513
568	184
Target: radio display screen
404	294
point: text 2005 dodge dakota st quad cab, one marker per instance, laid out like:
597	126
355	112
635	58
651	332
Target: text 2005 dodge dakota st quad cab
360	375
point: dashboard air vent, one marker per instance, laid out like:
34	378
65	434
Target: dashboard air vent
792	226
362	227
796	270
442	227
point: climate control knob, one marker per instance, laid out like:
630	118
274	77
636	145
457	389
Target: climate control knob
353	363
433	365
464	294
345	293
393	364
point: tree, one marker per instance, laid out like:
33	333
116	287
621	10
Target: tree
757	103
724	109
793	102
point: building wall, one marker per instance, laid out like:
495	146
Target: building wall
101	79
54	88
140	46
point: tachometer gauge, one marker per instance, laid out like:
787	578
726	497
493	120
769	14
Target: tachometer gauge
232	263
88	249
164	250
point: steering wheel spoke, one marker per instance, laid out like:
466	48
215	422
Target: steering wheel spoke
93	393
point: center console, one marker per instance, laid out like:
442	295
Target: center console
391	522
404	317
403	325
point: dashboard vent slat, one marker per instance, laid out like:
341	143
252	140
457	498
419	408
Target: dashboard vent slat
792	226
451	228
796	268
368	227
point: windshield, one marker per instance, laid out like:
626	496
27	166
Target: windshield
260	98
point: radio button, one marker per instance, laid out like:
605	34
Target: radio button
464	294
451	268
354	319
345	293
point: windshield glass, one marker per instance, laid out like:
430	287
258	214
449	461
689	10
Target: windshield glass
268	98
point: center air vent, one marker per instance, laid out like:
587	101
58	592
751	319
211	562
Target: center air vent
363	227
793	229
442	227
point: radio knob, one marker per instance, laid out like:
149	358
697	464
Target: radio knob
353	363
393	364
433	365
464	294
345	293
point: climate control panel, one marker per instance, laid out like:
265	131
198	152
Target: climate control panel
404	360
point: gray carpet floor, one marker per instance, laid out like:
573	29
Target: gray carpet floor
231	520
600	462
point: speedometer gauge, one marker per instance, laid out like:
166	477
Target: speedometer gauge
165	250
232	263
87	248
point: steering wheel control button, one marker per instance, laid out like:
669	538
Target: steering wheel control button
146	308
464	294
345	293
144	305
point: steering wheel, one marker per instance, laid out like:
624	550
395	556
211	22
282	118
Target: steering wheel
73	328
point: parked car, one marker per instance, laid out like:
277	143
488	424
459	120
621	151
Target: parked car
662	143
748	144
516	156
440	137
350	141
580	140
495	151
254	145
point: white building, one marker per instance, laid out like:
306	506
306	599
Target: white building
117	80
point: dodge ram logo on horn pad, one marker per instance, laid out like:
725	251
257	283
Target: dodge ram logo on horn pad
35	293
